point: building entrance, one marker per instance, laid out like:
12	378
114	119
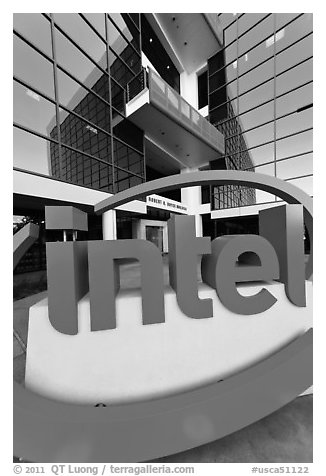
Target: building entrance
155	235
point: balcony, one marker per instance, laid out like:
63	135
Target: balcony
171	123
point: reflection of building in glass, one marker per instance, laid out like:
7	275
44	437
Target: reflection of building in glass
237	156
100	155
264	71
93	139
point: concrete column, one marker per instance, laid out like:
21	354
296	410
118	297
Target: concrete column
191	196
109	225
189	88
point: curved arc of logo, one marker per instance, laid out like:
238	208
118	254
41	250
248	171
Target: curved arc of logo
286	191
50	431
45	430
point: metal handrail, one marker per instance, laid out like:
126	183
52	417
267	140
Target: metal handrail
137	84
170	101
166	98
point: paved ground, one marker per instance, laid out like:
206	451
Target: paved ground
285	436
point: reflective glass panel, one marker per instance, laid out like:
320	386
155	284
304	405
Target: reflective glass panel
83	102
32	110
83	136
36	28
33	153
33	68
74	25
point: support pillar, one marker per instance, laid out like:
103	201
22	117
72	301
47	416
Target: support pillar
191	196
109	225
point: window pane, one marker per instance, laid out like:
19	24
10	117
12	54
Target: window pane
262	154
283	18
36	28
130	133
82	170
118	98
75	62
260	52
81	135
260	135
32	153
119	71
84	103
301	165
306	184
226	18
230	33
254	98
295	30
294	145
294	100
257	76
261	196
98	22
134	17
123	49
31	67
32	110
123	23
294	55
294	78
258	116
116	40
125	157
254	36
248	20
83	35
124	180
294	123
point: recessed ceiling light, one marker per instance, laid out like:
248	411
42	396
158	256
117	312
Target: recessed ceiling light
150	40
168	67
185	43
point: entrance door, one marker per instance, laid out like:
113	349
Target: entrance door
155	235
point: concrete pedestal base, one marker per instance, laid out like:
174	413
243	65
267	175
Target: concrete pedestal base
136	362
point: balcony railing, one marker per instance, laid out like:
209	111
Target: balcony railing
169	101
137	84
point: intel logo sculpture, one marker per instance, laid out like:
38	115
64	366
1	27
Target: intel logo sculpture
75	268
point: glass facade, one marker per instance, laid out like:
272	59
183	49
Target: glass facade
260	97
70	77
